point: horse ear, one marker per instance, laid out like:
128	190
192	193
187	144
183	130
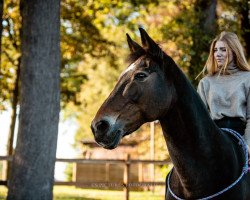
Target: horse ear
148	43
133	46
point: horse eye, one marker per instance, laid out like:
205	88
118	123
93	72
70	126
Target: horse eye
140	76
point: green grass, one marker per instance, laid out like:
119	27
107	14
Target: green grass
3	192
72	193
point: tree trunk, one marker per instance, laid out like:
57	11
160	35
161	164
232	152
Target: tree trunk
33	164
206	28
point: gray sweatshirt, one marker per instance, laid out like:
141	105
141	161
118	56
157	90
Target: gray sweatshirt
228	95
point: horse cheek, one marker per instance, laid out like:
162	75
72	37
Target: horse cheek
132	92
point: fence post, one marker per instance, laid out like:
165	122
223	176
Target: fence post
107	171
152	153
74	172
126	176
140	172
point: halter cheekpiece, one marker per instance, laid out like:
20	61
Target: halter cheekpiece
244	170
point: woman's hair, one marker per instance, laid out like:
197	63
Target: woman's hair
232	43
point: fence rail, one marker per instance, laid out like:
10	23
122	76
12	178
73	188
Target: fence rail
5	158
126	184
112	161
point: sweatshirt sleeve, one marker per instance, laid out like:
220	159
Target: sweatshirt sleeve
247	131
201	92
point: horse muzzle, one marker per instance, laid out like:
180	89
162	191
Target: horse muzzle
106	135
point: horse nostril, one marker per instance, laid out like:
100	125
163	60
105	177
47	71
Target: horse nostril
102	126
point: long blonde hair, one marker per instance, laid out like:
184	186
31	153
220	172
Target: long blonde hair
232	43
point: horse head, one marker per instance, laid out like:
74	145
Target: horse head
143	93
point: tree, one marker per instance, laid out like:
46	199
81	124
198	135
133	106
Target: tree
93	45
235	17
204	30
192	31
34	158
10	55
9	82
84	36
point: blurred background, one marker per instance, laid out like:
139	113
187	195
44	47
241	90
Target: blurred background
93	54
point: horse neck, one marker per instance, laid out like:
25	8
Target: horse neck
193	141
188	115
188	122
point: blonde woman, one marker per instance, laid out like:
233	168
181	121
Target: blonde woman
225	89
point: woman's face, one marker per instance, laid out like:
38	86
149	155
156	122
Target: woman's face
220	53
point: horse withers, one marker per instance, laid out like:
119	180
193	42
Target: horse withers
206	160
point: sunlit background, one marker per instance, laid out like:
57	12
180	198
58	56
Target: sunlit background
93	54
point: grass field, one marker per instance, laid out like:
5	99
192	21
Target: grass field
72	193
3	192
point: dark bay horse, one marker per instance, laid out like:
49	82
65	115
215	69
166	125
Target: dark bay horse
206	160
